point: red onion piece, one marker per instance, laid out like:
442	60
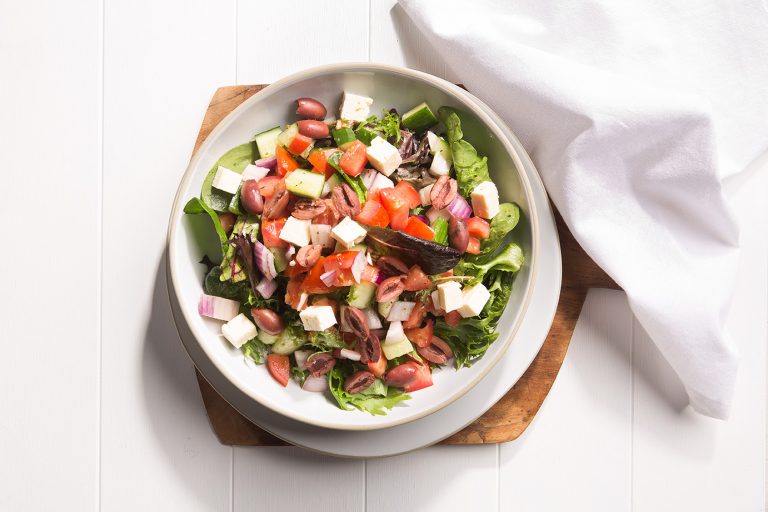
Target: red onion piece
266	287
269	163
358	265
302	301
289	252
315	384
329	277
433	213
301	357
459	207
368	176
423	218
265	260
218	307
345	353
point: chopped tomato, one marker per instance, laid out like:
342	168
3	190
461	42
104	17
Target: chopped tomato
313	283
473	247
370	274
409	193
340	260
319	159
299	144
354	159
373	195
422	379
294	270
285	162
416	279
373	214
344	277
478	228
397	207
421	336
379	367
293	292
267	185
417	316
453	318
270	232
416	227
279	367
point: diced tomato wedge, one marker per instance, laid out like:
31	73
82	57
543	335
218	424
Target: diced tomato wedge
279	367
354	159
319	159
285	162
373	195
344	277
299	143
421	336
340	260
416	279
270	232
267	185
422	379
293	292
294	270
473	247
370	274
312	283
373	214
416	227
478	228
379	367
409	193
417	316
453	318
397	207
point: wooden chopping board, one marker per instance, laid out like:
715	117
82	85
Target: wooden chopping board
511	415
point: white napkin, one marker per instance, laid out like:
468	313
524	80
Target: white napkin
632	112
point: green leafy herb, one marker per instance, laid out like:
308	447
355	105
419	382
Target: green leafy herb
326	340
419	210
373	400
388	125
299	374
510	259
195	206
213	285
471	169
441	230
255	350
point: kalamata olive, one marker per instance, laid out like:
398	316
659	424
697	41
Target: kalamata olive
227	221
278	202
401	375
319	363
268	321
356	321
359	381
250	197
369	348
458	235
390	289
442	345
416	280
443	192
307	209
310	108
313	129
346	201
308	255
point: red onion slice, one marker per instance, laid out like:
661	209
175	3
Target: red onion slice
329	277
345	353
424	219
433	213
266	287
315	384
358	266
265	260
269	163
301	357
459	207
218	307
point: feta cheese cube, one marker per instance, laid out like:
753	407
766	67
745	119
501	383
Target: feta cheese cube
424	195
348	232
381	181
395	334
355	107
475	298
450	296
436	300
320	234
374	322
239	330
296	231
400	311
254	172
383	156
317	318
226	180
440	165
485	200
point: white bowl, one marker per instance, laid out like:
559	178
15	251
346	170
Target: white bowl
190	237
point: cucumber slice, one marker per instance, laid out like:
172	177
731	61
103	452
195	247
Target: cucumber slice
236	159
385	307
287	343
266	338
438	145
396	349
234	203
361	294
419	118
330	183
366	135
342	248
305	183
343	136
266	142
286	136
281	262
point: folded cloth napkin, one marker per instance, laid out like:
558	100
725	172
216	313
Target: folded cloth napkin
633	112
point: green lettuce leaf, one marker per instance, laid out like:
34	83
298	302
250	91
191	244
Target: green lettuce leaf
501	225
195	206
471	169
374	400
356	183
326	340
236	159
510	259
255	350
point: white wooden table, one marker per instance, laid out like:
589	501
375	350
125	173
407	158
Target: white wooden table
101	102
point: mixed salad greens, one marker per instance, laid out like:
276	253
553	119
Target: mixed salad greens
358	253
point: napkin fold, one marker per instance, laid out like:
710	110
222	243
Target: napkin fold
633	112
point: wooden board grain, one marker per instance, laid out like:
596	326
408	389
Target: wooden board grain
511	415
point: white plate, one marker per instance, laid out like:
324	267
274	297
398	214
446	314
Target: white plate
389	86
452	418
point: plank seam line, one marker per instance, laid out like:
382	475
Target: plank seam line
101	22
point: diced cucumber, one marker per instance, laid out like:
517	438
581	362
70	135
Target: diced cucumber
287	343
330	183
366	135
343	136
385	307
396	349
341	248
305	183
438	144
281	262
287	135
361	294
234	203
305	154
266	142
419	118
266	338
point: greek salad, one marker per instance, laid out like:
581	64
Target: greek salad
359	252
